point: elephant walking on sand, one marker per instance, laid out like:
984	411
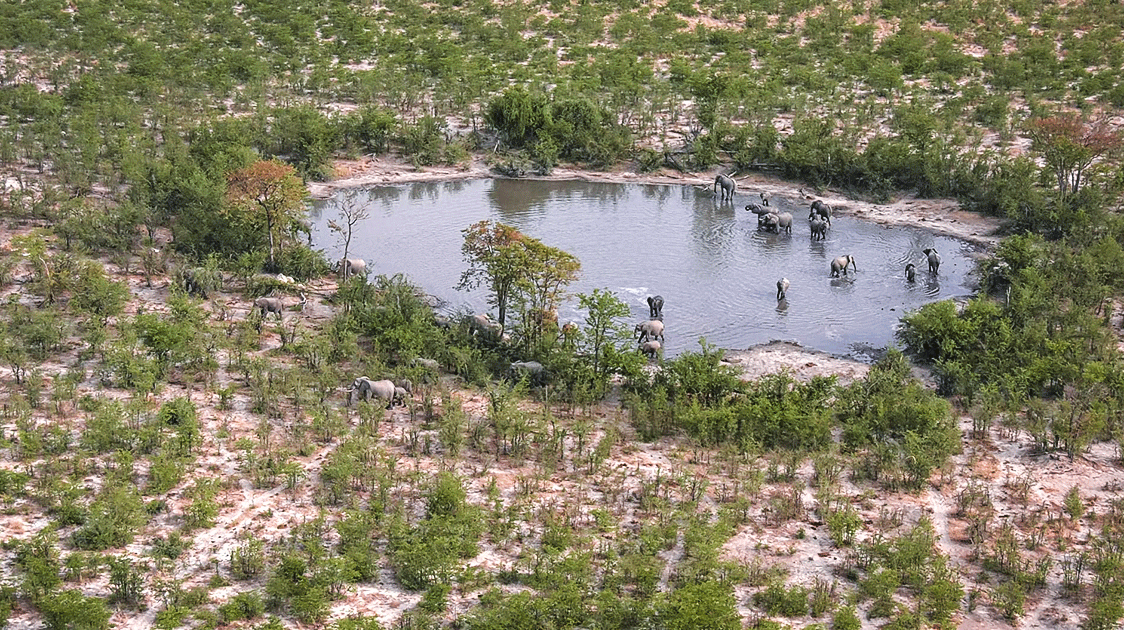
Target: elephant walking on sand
841	263
729	186
266	305
364	389
782	288
934	260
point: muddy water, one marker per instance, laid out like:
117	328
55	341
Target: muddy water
716	271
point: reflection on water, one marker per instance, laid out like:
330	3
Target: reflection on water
716	271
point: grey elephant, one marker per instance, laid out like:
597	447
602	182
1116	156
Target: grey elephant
364	389
819	229
651	348
841	263
266	305
778	222
533	371
934	259
430	364
764	198
768	222
651	329
655	307
482	326
910	272
350	267
728	186
820	209
782	288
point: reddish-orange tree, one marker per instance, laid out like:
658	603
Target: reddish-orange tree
1070	145
269	194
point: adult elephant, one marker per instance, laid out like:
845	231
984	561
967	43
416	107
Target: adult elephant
783	222
651	329
350	267
819	229
782	288
482	326
729	186
820	209
266	305
365	389
533	371
934	260
655	307
841	263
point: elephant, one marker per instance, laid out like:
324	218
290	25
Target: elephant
782	288
910	272
430	364
934	260
266	305
778	222
728	186
482	326
365	388
769	222
819	229
651	329
533	371
651	348
764	198
350	267
840	264
655	307
820	209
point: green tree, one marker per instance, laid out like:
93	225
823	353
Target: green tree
603	329
268	194
496	258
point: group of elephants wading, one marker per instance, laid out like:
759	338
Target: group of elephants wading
819	221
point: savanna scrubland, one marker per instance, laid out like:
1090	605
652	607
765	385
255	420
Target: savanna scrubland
171	457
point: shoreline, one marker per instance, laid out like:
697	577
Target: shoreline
940	216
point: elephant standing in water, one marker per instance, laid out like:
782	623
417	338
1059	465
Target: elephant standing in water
729	186
651	329
934	260
820	209
782	288
651	348
841	263
655	307
910	272
819	229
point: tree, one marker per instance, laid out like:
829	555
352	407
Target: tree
547	272
495	257
602	326
1070	145
270	192
351	213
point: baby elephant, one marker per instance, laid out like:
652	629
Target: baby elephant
650	348
934	260
651	329
910	272
841	263
782	287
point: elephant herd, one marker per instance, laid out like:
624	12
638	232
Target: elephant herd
819	220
